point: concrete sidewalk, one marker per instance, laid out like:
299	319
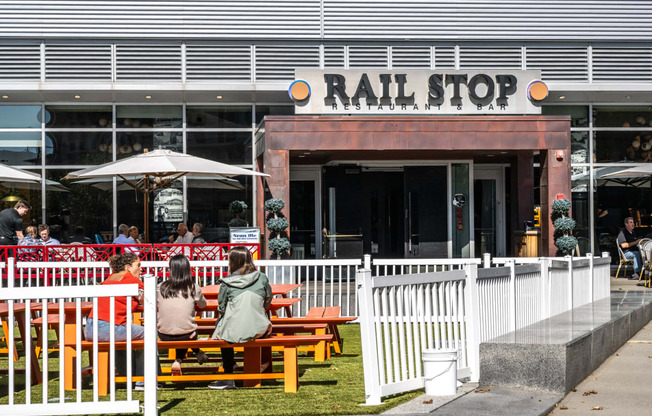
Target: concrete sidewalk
621	384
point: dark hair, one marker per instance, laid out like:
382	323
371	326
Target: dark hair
22	204
119	261
180	281
238	257
43	227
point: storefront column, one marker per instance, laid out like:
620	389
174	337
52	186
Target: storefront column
555	183
275	163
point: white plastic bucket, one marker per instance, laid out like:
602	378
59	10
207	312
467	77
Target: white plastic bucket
440	371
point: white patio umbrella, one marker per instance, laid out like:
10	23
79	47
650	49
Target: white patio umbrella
7	173
154	170
635	172
50	185
106	184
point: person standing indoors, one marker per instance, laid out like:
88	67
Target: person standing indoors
628	241
11	223
244	297
184	236
46	240
197	230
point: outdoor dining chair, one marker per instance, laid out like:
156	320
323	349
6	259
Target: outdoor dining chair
623	261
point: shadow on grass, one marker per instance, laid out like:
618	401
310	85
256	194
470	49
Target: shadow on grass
171	405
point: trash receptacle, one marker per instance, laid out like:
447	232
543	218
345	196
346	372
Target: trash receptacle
440	371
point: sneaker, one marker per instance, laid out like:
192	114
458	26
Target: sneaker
222	385
202	358
634	276
140	386
176	368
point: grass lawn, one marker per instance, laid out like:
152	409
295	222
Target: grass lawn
333	387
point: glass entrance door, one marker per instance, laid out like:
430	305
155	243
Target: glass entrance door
305	223
488	190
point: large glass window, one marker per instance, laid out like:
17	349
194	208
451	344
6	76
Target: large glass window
71	204
14	191
20	116
132	143
78	116
79	148
208	203
22	148
623	146
149	116
232	148
579	114
218	117
622	116
272	110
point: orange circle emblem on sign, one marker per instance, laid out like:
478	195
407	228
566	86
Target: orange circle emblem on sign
299	90
537	90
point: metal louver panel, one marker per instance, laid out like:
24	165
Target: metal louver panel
445	57
173	19
334	56
622	64
277	62
140	62
20	61
483	57
91	62
411	57
558	63
516	20
364	56
219	62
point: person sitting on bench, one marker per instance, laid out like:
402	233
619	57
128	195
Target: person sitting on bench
126	269
244	297
177	298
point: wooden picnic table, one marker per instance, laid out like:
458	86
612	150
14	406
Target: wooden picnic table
19	314
211	291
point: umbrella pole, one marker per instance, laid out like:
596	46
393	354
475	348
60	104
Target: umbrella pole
146	210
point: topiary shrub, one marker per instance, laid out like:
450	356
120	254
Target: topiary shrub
564	226
278	242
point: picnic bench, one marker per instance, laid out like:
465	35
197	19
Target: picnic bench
257	360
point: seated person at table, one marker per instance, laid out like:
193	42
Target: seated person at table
244	297
30	237
177	298
46	240
197	230
123	235
628	241
183	237
125	269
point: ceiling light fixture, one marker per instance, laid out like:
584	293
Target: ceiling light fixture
148	97
562	97
219	97
5	96
77	96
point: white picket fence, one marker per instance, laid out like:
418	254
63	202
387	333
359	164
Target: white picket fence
404	306
54	399
400	316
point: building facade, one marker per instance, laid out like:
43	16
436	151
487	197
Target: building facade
84	83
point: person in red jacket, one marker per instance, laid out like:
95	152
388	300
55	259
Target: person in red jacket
126	269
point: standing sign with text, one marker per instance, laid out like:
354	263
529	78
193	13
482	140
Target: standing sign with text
405	92
242	235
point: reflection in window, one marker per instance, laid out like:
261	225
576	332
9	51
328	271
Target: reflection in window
76	116
579	114
622	116
267	110
219	117
579	188
579	147
75	205
149	116
231	148
623	146
132	143
208	203
80	148
22	148
20	116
